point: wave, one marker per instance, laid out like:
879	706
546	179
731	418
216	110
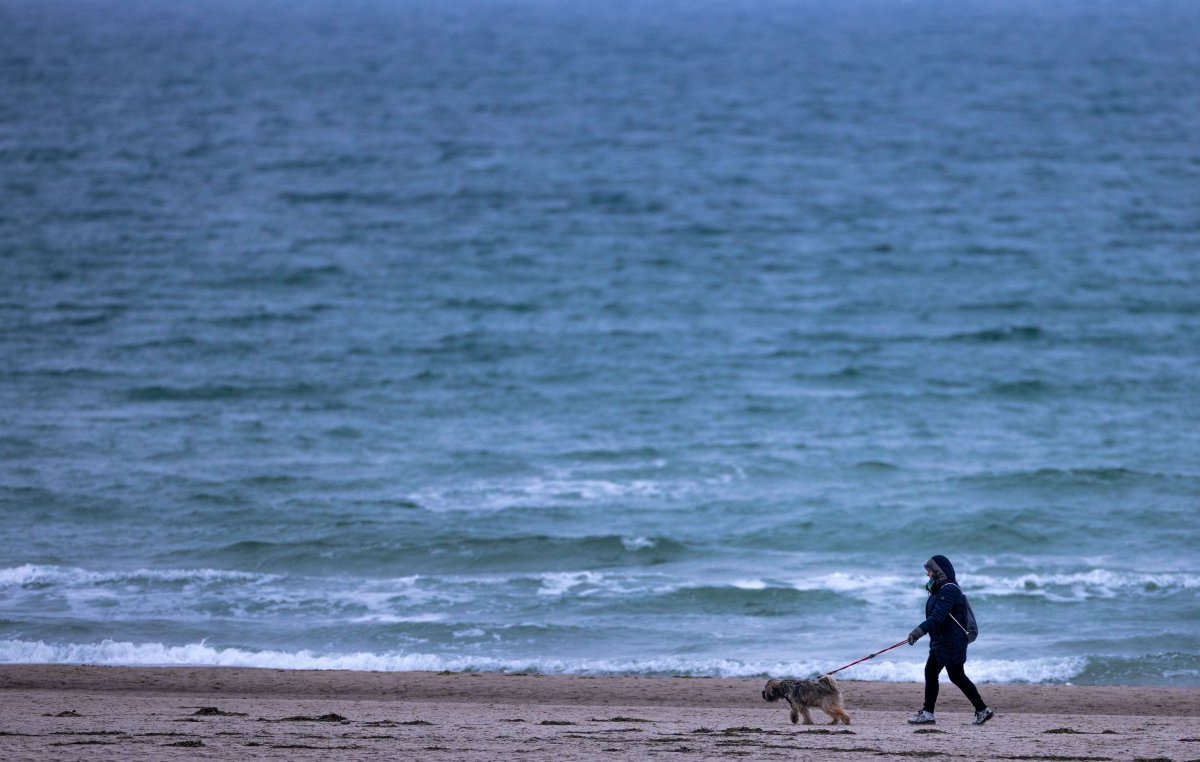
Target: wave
738	599
634	584
499	496
1018	333
1083	585
221	392
1170	668
262	317
787	595
339	198
279	276
372	557
125	653
41	575
1045	670
77	373
1022	389
1069	477
889	530
483	305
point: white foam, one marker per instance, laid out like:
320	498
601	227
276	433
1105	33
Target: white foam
495	496
634	544
474	632
395	619
35	574
577	583
122	653
1058	586
819	393
980	670
1082	585
840	582
750	584
572	485
115	653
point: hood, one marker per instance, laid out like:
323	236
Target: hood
943	570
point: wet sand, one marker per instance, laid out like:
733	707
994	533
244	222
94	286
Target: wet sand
122	713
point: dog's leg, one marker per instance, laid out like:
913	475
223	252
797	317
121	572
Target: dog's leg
795	712
807	716
837	713
841	710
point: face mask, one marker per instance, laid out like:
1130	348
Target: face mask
929	585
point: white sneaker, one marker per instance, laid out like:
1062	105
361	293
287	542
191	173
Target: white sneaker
922	718
983	715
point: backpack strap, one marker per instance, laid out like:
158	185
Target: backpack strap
964	606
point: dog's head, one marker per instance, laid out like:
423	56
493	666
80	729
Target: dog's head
775	690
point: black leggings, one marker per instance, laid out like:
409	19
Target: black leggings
957	675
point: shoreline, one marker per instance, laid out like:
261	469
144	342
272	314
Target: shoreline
601	690
231	713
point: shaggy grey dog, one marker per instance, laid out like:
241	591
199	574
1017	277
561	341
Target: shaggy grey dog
822	693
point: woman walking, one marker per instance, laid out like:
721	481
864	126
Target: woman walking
945	613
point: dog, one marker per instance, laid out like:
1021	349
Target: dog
822	693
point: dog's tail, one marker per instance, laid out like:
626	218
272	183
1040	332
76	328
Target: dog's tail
829	682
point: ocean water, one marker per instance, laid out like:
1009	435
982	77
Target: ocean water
600	337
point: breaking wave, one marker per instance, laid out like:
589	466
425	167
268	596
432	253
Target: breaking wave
119	653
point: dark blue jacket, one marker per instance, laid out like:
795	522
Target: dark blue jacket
947	640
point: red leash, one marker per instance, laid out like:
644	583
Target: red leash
872	656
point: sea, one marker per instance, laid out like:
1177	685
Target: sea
639	337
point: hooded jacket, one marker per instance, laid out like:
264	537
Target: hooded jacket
947	640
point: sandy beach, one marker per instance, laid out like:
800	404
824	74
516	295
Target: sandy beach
119	713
